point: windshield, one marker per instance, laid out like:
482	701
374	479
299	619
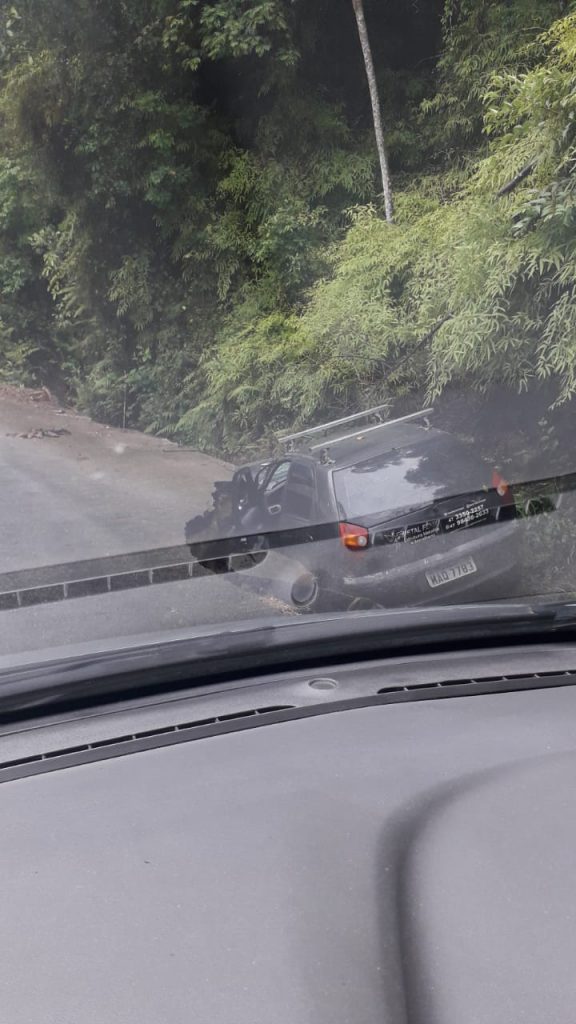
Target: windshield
273	275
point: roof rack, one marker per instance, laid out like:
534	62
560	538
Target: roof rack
325	427
359	435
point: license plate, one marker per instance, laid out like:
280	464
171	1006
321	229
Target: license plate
452	573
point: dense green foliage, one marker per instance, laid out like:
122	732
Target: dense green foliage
190	221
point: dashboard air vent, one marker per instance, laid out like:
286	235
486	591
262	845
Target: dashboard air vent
128	743
487	684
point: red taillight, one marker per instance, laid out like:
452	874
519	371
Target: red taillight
501	486
356	538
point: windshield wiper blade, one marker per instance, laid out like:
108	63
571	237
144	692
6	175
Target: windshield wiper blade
535	493
89	577
92	577
90	676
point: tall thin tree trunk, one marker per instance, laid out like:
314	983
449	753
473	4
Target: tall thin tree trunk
358	6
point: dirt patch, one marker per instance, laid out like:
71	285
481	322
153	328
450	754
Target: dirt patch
26	394
29	413
39	433
137	464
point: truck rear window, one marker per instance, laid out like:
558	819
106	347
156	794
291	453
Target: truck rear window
408	478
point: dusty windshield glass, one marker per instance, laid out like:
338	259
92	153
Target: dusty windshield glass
271	272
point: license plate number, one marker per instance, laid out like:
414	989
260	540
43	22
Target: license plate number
451	573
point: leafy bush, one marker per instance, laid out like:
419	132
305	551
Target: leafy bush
204	254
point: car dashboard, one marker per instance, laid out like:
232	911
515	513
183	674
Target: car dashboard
383	842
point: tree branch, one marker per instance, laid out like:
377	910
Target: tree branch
419	345
511	185
423	341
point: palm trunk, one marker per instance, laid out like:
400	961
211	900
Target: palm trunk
358	6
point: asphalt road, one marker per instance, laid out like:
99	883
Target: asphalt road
111	498
92	494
